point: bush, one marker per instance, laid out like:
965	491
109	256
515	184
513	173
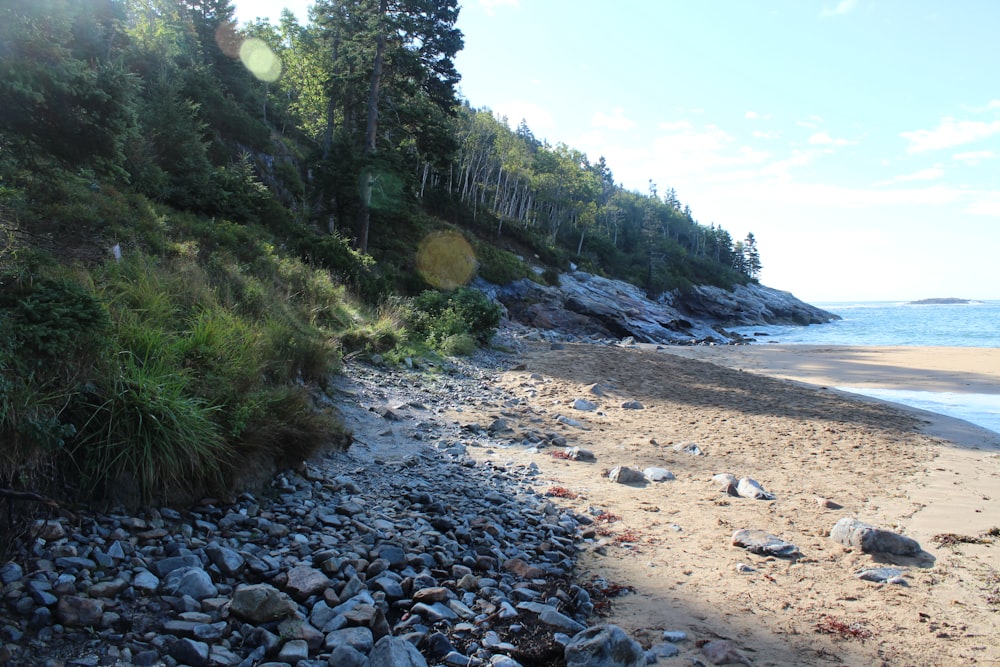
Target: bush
440	316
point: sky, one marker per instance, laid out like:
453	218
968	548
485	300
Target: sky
858	140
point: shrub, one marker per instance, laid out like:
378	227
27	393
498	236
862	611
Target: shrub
439	316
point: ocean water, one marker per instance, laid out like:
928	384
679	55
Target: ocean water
975	324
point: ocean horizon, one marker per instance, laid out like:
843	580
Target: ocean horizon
900	323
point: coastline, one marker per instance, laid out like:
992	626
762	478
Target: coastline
861	369
877	462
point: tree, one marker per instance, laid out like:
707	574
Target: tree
751	255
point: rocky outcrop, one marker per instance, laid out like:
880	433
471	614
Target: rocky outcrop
588	306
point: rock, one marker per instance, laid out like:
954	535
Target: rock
145	581
360	639
658	475
882	575
689	448
604	646
192	581
551	616
304	581
569	422
294	651
743	568
346	656
674	636
633	405
763	543
662	650
580	454
229	561
523	569
827	504
49	530
625	475
10	572
725	482
190	652
168	565
79	612
261	603
107	589
723	652
855	534
395	652
751	488
584	405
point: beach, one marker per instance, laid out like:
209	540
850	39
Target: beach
770	413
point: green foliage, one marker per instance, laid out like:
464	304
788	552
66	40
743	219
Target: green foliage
500	267
440	319
146	435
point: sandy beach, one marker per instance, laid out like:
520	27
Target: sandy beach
767	412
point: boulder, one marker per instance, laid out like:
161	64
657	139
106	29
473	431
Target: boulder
625	475
261	603
751	488
858	535
395	652
604	646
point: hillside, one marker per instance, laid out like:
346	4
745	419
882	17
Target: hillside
199	222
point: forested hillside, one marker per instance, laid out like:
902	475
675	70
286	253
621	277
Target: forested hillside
197	220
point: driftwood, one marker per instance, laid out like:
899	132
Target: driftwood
11	494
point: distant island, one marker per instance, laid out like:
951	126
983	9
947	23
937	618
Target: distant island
938	302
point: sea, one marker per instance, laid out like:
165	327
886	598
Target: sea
892	323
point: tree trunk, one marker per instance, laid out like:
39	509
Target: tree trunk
367	177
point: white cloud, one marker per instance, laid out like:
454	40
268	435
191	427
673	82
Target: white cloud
842	7
994	104
616	121
973	158
538	118
824	139
811	123
950	133
930	174
988	207
750	115
759	134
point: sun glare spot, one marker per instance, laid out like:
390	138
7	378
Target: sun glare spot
446	260
258	57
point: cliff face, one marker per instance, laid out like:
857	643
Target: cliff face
585	305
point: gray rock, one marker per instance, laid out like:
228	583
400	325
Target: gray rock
190	652
689	448
347	656
229	561
10	572
584	405
261	603
674	636
107	589
168	565
625	475
360	639
145	581
395	652
633	405
79	612
294	651
304	581
725	482
192	581
580	454
662	650
763	543
604	646
855	534
882	575
751	488
561	621
658	474
723	652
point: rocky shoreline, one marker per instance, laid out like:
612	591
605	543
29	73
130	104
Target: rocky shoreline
401	551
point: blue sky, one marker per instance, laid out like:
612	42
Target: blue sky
859	140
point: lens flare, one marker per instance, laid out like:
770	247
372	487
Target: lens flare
446	260
258	57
